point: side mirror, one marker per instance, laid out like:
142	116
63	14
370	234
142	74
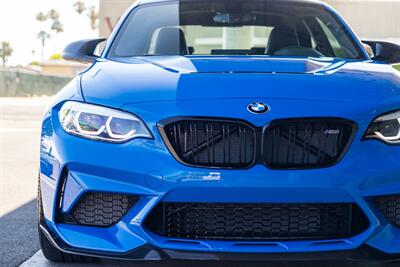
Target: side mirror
384	51
82	51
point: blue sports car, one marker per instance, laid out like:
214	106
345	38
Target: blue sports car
224	129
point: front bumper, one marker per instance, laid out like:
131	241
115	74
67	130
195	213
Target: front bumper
146	169
362	254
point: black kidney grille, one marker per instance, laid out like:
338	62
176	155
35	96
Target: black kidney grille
211	143
390	207
283	144
306	143
100	209
256	222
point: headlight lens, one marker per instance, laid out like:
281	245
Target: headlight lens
385	128
100	123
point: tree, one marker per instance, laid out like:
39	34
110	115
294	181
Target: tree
79	7
41	17
57	26
53	14
92	13
93	16
5	52
43	36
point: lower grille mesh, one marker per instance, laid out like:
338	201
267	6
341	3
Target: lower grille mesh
390	207
100	209
256	221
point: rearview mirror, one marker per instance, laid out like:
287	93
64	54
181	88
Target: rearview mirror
234	18
82	51
384	51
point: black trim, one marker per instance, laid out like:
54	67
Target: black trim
62	181
364	253
259	132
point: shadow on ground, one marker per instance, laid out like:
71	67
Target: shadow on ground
18	235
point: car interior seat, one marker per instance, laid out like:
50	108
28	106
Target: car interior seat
281	37
171	41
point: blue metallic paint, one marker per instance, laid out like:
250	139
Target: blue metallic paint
184	86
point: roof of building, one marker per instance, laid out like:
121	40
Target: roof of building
63	63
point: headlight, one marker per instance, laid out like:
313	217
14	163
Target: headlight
385	128
100	123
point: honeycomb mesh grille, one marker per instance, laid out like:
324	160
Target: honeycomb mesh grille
256	222
390	207
100	209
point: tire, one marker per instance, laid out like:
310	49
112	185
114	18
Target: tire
50	252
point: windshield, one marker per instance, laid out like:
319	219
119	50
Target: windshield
233	27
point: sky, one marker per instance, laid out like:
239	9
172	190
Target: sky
18	25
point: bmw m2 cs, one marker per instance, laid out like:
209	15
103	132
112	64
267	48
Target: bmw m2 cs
224	129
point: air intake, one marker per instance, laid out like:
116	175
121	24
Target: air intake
390	207
306	143
100	209
282	144
211	143
256	222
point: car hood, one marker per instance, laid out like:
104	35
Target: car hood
134	80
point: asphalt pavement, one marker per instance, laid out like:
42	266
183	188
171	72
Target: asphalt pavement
19	161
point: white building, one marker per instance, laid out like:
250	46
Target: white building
110	12
371	19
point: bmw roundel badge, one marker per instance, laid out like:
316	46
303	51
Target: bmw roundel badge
257	108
